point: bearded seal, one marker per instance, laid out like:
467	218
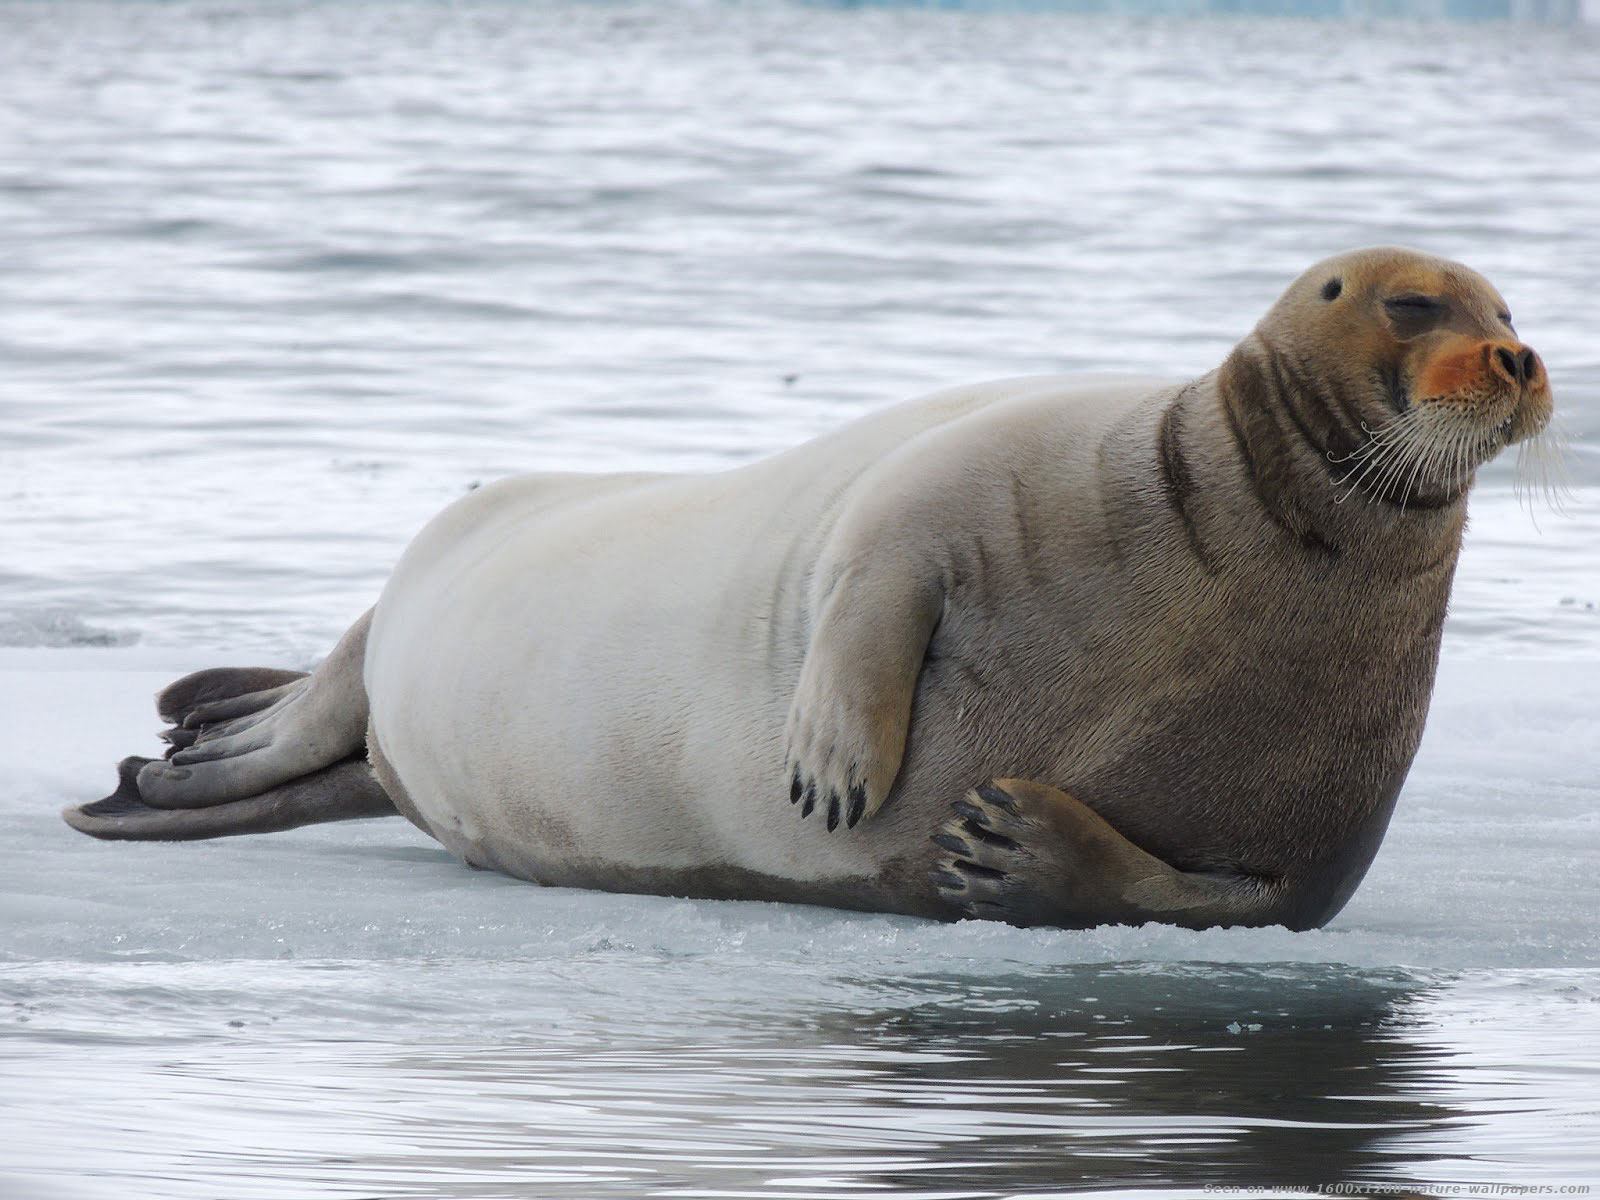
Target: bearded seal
1046	650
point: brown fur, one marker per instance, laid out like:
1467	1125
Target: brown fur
1290	671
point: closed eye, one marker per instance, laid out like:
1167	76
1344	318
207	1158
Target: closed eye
1412	314
1414	304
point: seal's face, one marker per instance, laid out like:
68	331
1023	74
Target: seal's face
1430	377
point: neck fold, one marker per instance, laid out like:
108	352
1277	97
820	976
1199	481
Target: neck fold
1287	429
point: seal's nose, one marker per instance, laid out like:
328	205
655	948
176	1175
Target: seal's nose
1514	362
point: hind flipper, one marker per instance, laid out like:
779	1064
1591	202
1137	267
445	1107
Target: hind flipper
218	686
230	745
238	707
344	791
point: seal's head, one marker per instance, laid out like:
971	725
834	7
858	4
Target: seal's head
1404	368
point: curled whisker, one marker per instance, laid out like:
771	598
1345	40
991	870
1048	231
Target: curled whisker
1373	442
1358	474
1382	444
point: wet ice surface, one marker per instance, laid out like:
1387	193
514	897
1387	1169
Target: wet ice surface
347	1011
267	303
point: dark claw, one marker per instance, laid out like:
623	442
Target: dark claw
991	910
795	787
811	800
947	879
858	805
971	812
979	871
952	843
833	811
1000	799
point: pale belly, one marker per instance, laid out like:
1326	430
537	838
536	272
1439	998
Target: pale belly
576	675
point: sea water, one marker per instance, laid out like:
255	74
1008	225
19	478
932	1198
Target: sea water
280	280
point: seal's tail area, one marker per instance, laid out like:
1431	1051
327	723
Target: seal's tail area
341	792
250	750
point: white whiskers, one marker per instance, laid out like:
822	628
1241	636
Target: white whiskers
1422	446
1542	470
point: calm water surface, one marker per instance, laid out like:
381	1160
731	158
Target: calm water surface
277	281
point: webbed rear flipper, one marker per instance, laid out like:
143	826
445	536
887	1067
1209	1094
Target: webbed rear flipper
254	750
341	792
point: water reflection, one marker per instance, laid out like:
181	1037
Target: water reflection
1137	1077
517	1079
1142	1075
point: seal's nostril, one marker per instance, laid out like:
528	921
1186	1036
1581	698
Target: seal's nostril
1529	362
1509	363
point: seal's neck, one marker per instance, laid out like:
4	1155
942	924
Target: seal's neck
1289	430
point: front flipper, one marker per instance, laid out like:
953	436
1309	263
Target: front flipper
341	792
1029	854
852	708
